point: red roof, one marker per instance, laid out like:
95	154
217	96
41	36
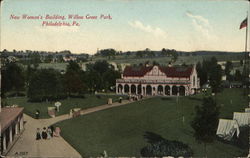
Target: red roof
8	115
177	71
130	71
169	71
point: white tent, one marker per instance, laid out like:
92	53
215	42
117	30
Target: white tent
227	128
242	118
247	109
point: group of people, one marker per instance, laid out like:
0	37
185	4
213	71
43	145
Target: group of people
134	97
47	133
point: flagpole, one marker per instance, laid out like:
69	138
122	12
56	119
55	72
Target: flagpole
246	36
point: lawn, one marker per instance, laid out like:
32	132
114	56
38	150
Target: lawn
120	130
181	59
67	104
57	66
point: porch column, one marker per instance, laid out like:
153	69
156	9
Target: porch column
16	128
4	142
123	88
21	123
119	89
129	88
143	90
136	89
116	88
186	90
170	93
163	90
10	134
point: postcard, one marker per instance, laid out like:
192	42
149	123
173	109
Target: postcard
125	78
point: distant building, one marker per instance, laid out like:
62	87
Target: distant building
69	58
158	80
11	59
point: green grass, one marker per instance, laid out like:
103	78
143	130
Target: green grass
57	66
120	130
165	60
67	104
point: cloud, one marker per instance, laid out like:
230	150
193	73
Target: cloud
201	25
156	31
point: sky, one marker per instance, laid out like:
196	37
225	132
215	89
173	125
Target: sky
185	25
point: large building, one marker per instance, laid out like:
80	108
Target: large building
11	125
158	80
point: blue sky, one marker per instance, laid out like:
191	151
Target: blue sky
187	25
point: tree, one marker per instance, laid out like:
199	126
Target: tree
163	52
245	74
34	59
45	84
101	75
29	73
109	78
206	121
73	79
48	58
215	78
210	70
202	72
12	78
174	55
139	54
101	66
228	69
107	53
155	63
60	59
241	62
238	75
93	80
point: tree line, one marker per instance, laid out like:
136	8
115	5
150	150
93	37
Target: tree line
209	71
50	84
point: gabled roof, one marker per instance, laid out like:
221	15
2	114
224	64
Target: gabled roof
177	71
130	71
8	115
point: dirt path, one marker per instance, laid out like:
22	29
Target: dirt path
27	146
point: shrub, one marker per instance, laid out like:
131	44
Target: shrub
160	147
167	148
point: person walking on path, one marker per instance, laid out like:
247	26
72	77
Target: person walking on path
38	134
48	133
37	114
44	133
52	130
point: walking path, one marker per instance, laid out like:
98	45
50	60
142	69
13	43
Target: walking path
28	146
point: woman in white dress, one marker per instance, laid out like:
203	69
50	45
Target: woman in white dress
49	133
